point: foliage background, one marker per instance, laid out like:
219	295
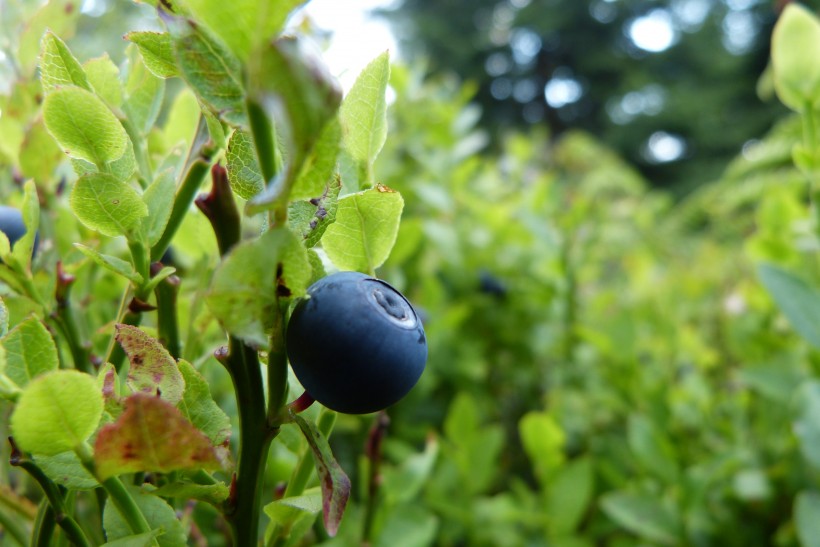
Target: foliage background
606	367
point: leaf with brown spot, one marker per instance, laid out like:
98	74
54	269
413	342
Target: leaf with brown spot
153	371
335	483
152	436
109	385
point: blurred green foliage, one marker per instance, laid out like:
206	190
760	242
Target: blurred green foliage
606	367
630	71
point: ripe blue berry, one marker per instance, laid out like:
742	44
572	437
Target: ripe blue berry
356	344
11	224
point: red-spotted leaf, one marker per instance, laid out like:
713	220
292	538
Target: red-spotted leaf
110	387
153	371
334	481
151	435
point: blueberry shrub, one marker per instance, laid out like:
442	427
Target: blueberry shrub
187	191
202	235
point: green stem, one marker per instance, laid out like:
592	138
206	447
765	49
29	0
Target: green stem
17	503
53	494
242	362
117	493
61	515
167	323
14	528
570	302
374	457
126	506
194	175
242	508
140	258
278	369
264	140
810	144
201	476
137	140
44	526
64	319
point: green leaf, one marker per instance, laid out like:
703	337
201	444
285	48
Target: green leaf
138	540
247	285
58	67
40	155
199	407
216	131
651	448
83	125
56	412
796	74
243	24
568	494
153	371
243	169
310	219
157	51
214	494
183	119
121	169
23	247
111	263
144	93
335	484
543	441
365	229
104	77
4	318
807	425
157	512
403	484
474	446
806	523
159	277
58	16
309	93
210	69
291	518
643	515
107	205
798	302
30	351
159	199
408	526
66	470
320	166
5	247
364	112
152	436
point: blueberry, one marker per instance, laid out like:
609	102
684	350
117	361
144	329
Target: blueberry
489	284
11	224
356	344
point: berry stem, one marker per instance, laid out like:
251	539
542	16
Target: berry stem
302	403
